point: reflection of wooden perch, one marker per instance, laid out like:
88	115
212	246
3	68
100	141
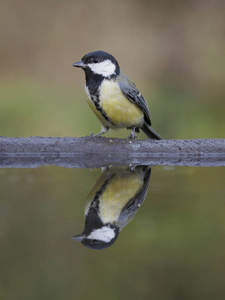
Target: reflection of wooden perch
91	152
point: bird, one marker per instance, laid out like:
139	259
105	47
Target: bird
113	97
112	204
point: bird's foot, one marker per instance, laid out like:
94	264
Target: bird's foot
132	135
104	130
97	135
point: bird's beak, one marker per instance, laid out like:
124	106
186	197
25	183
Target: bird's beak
79	237
79	64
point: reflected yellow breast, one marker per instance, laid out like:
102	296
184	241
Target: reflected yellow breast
118	193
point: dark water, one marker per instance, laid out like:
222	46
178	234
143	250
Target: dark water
174	248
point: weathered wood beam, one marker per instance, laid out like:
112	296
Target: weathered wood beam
91	152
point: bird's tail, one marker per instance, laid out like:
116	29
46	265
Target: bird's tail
150	132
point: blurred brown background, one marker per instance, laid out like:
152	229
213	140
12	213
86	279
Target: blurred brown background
173	50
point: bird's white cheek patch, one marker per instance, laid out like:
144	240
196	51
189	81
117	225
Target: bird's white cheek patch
105	68
104	234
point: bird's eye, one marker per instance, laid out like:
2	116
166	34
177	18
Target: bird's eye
95	60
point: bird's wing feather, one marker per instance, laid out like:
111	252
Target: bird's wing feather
130	90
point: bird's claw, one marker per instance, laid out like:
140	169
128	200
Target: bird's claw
132	136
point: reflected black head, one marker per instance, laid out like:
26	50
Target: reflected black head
97	244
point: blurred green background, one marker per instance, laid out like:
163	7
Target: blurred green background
173	50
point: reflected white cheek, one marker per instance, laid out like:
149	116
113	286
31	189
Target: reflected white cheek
105	68
104	234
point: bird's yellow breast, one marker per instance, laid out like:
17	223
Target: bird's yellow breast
118	108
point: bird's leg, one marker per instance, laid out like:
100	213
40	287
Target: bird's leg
132	135
104	130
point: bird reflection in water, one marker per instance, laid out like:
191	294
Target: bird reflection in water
112	204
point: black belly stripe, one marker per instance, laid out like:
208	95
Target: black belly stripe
94	206
96	101
93	84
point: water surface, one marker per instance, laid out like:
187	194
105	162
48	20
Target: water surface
174	248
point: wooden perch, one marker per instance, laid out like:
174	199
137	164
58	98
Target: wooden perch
92	152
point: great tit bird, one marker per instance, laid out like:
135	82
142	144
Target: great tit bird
112	204
113	97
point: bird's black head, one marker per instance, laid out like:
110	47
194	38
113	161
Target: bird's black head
100	238
99	63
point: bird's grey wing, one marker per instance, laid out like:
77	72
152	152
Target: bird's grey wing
132	206
130	90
